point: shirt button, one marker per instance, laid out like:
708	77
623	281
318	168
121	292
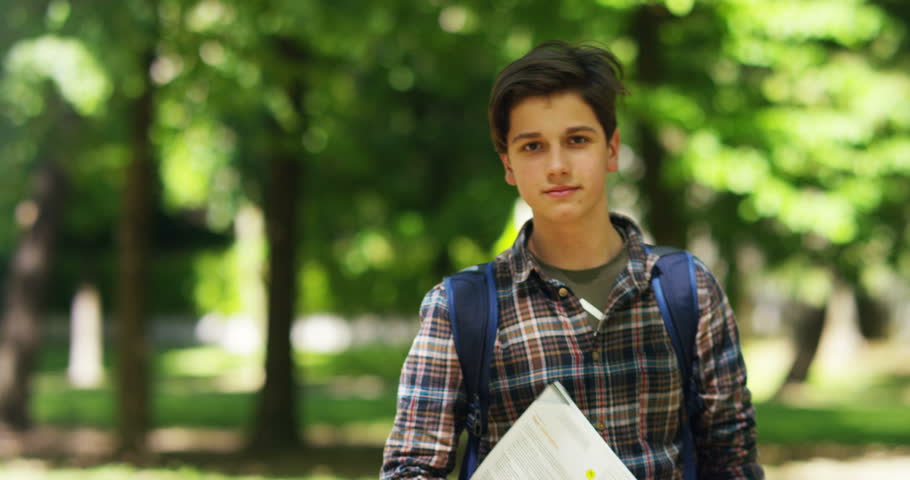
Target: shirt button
596	356
563	292
600	426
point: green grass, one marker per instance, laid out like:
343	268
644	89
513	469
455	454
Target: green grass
205	387
188	389
354	391
856	424
72	408
851	425
23	470
208	361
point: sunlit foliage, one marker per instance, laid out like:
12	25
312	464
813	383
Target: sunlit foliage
786	125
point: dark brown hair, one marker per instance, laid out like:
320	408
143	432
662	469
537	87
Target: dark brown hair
554	67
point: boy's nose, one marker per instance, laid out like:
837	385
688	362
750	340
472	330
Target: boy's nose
558	163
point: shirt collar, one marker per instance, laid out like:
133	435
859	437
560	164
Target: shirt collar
640	262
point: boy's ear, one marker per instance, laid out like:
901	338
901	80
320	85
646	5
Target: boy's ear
507	165
613	151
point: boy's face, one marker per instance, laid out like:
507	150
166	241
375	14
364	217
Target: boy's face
558	156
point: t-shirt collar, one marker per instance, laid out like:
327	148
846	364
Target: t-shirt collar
640	262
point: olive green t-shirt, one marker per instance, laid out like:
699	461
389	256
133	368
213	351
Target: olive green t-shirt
592	284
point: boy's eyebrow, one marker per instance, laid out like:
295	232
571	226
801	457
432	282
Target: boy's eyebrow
524	135
579	128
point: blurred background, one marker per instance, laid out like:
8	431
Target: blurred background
219	216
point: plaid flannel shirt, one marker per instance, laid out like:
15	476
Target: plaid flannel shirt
624	377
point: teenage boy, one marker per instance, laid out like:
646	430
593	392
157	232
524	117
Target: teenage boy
553	121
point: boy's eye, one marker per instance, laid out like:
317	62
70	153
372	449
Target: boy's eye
577	140
531	146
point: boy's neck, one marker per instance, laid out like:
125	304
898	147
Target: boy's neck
575	246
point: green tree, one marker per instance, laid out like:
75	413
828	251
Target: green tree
139	197
38	103
26	286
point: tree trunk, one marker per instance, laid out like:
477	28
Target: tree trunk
133	253
841	343
665	215
873	316
829	342
807	336
276	424
25	289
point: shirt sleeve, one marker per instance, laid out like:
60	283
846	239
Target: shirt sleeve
424	437
725	432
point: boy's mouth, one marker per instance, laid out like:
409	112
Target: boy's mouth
561	190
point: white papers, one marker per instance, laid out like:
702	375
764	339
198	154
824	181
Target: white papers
552	440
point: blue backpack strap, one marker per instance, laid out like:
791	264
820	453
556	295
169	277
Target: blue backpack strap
474	313
675	288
